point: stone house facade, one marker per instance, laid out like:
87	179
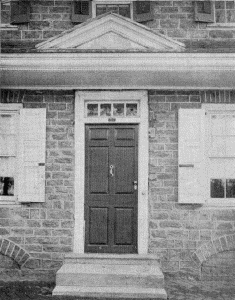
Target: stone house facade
165	69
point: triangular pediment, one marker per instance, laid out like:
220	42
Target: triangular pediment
111	32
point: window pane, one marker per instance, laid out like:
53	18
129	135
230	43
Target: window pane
112	8
142	7
231	16
7	186
131	109
100	9
7	145
7	124
118	109
124	10
105	110
230	188
217	188
92	110
220	16
7	166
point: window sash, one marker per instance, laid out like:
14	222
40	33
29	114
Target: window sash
220	165
10	154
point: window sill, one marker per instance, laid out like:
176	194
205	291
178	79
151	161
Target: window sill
221	25
220	204
8	27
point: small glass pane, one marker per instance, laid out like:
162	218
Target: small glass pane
92	110
131	109
7	166
230	188
100	9
105	110
6	186
7	124
7	145
112	8
217	188
124	10
118	109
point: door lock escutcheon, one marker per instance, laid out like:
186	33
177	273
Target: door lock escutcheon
111	170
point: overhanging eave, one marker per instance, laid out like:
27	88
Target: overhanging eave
118	71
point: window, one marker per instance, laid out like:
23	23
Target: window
139	11
225	12
22	154
9	133
220	153
220	13
14	12
207	155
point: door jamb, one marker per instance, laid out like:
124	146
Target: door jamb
143	159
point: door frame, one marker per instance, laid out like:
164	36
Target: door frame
143	159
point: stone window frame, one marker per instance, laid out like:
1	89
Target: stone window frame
215	202
220	24
12	108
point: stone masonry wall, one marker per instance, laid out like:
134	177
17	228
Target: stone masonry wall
37	235
183	236
175	19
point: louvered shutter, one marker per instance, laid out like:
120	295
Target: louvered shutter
81	11
20	11
191	171
32	155
204	11
142	11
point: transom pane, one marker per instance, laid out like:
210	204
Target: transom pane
105	109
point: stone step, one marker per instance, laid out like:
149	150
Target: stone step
129	259
110	275
110	292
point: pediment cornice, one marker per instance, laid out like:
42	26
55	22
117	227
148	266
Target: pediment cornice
111	32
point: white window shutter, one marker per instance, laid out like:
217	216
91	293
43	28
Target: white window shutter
192	177
32	155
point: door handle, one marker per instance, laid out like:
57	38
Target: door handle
111	170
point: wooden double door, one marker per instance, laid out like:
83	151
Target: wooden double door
111	188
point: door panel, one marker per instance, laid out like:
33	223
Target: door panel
98	230
124	226
124	170
98	178
110	197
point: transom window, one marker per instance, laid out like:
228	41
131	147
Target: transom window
108	109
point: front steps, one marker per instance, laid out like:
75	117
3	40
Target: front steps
110	276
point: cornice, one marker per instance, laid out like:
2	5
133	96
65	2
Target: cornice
118	70
112	61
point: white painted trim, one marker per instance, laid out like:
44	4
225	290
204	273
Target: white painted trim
143	155
215	202
132	71
118	61
13	108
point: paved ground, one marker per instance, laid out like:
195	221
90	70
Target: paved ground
178	288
